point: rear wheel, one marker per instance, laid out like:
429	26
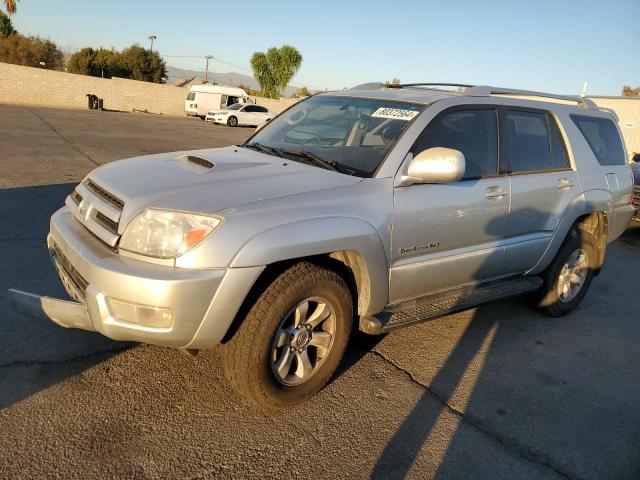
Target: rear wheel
569	276
232	121
293	338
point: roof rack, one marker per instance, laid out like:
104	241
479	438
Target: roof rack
581	101
487	91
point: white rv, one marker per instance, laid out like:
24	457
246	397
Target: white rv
203	98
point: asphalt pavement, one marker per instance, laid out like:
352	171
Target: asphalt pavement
495	392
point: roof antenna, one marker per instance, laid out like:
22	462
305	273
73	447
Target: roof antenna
584	90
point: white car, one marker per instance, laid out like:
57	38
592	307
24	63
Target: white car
241	114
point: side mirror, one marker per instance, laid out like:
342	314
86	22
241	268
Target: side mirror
636	158
437	165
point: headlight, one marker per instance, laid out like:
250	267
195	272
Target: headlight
166	234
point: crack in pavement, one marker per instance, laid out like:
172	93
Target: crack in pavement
521	451
59	133
75	358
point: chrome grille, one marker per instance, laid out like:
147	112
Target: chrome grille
113	200
76	197
107	223
97	209
636	195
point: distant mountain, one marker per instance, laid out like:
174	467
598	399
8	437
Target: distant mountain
229	78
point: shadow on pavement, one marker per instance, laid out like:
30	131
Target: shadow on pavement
544	389
35	353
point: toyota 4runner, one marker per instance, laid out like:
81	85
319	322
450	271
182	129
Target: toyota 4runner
374	208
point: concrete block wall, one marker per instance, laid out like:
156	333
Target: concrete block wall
276	105
38	86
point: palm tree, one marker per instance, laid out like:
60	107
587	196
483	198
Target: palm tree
10	6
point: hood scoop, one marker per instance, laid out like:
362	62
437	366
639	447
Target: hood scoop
195	163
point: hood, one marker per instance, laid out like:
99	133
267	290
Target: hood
212	180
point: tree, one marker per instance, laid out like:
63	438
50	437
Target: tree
82	61
273	70
627	91
10	6
134	62
30	51
6	28
302	92
108	63
263	74
143	64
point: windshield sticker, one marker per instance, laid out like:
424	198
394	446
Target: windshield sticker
395	113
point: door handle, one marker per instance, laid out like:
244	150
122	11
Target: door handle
495	193
564	184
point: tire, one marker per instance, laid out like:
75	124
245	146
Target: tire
552	299
253	356
232	121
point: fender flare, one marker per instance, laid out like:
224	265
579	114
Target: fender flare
324	236
588	202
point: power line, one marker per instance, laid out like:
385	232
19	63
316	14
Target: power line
246	69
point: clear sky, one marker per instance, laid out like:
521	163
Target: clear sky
551	45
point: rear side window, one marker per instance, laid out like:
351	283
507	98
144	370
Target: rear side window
529	148
473	132
603	138
532	142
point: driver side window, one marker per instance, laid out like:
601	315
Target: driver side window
474	132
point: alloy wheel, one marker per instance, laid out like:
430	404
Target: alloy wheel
573	275
303	341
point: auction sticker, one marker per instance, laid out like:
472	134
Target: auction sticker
395	113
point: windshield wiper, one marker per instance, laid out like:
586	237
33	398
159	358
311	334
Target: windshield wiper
262	148
315	159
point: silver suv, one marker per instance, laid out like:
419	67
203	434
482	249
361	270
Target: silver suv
374	208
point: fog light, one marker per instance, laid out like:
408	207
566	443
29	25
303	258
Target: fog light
145	315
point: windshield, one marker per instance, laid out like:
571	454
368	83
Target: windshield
235	106
355	134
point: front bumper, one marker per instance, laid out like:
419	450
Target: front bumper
204	302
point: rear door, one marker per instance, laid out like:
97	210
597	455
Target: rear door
543	183
189	103
260	114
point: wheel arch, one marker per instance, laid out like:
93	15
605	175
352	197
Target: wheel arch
589	212
350	241
350	247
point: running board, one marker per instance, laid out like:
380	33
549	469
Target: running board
416	311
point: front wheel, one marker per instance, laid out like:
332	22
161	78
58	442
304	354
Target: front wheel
232	121
569	276
293	338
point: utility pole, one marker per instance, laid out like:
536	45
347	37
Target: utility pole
206	68
152	38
